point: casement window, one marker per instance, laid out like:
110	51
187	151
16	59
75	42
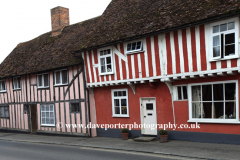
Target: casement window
61	77
16	83
2	86
47	115
75	108
225	39
134	46
4	112
180	93
106	61
43	80
214	102
120	103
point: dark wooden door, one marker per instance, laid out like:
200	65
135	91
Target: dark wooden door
33	118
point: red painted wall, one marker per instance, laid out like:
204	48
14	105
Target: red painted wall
103	103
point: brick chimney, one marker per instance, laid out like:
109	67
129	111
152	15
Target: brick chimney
60	19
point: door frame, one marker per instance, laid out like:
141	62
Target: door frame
142	112
30	117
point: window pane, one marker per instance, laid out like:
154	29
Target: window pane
218	110
124	110
105	52
230	38
46	80
138	45
47	121
39	80
51	108
129	47
207	109
216	51
43	108
103	69
15	83
185	92
43	120
108	60
231	25
108	51
123	102
51	120
117	110
64	77
109	68
207	92
116	102
216	40
47	114
115	94
223	27
196	110
3	85
101	53
230	91
18	83
6	112
215	29
124	93
134	46
43	114
218	92
51	114
230	50
179	92
102	61
230	110
119	93
196	93
47	108
58	77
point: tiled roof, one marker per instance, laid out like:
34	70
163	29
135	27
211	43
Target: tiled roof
121	21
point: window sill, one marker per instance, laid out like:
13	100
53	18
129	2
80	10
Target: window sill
180	100
43	87
234	121
222	59
134	52
45	125
4	117
3	91
57	85
105	74
17	89
121	116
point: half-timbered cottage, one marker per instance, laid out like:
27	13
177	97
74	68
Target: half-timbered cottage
166	62
42	84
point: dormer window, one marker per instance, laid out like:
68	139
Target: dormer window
225	39
106	62
134	46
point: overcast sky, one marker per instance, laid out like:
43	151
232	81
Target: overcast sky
23	20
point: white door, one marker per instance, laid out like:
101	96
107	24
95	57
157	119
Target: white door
148	116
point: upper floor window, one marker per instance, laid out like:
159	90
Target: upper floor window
120	103
2	85
4	111
225	39
43	80
134	46
61	77
214	102
16	83
106	61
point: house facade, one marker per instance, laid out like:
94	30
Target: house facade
45	96
185	79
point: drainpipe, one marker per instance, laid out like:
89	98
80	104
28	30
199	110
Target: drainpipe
170	87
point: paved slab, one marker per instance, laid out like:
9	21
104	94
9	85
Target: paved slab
180	148
144	139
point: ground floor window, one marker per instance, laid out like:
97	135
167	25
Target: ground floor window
4	112
75	108
47	115
120	102
214	101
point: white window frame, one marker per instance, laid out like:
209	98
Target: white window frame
55	83
133	51
43	85
5	108
122	97
16	87
235	30
175	93
45	124
203	120
105	56
1	90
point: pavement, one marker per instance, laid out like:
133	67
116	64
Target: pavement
187	149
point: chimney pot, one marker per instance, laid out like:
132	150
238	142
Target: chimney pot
59	19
